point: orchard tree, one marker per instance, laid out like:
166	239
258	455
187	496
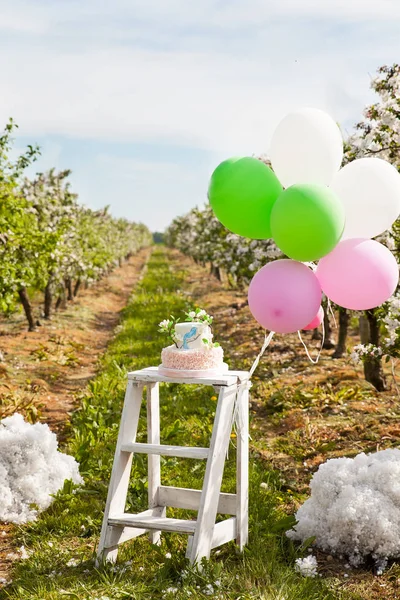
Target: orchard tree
48	241
200	235
55	208
20	238
378	135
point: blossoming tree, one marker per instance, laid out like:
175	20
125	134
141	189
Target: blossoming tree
200	235
378	135
48	241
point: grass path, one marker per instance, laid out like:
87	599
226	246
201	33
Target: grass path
61	544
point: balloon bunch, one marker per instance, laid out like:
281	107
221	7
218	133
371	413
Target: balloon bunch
314	211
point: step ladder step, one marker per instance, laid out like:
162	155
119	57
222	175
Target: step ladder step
165	450
146	521
177	497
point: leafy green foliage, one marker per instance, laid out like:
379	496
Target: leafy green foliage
47	237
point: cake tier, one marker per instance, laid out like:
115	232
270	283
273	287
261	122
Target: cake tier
196	359
189	336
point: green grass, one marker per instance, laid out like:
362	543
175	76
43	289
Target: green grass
62	542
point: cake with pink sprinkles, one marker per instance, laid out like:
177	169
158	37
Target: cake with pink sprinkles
193	349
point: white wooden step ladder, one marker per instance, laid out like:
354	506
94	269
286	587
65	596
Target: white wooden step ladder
204	533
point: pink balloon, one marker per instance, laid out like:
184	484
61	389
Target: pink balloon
284	296
317	320
358	274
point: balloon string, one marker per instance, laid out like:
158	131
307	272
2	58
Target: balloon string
267	341
314	361
236	415
332	313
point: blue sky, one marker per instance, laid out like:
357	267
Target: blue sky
143	98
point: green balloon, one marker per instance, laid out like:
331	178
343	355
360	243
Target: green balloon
242	192
307	221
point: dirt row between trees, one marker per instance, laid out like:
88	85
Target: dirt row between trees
44	371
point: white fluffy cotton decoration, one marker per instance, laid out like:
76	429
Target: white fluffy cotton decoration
354	508
31	469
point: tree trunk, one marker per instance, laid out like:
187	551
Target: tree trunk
77	286
344	319
68	287
373	370
316	335
23	296
328	343
62	299
48	299
215	271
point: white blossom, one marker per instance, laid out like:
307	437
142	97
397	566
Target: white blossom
307	566
164	323
200	235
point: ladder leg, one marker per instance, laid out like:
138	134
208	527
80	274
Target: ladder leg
242	467
153	437
202	539
119	482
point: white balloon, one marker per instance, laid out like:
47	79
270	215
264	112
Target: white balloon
370	191
306	147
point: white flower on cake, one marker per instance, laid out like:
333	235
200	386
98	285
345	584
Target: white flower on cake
164	323
198	316
207	336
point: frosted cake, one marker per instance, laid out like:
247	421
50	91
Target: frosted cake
192	349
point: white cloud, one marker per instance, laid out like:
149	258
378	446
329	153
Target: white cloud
211	75
183	13
226	74
139	170
193	99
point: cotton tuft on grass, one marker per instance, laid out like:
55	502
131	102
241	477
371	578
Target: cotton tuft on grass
31	469
354	508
